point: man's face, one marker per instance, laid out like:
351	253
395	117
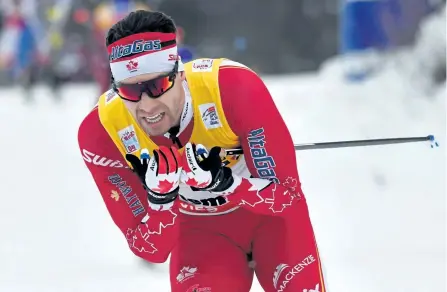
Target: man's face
157	115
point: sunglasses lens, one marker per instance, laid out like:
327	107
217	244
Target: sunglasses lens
130	91
156	87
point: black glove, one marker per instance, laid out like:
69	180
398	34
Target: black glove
159	174
203	170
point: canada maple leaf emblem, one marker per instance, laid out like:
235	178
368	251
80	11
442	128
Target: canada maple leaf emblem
114	195
193	182
290	183
140	239
164	186
139	243
276	200
132	65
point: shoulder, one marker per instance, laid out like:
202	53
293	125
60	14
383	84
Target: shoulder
235	76
230	64
91	128
94	141
91	133
237	81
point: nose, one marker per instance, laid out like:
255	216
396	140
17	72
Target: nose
147	103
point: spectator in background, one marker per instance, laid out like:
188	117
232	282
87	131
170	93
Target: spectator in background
186	53
104	16
19	45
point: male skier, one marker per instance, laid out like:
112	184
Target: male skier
155	146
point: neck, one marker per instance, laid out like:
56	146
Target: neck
181	112
186	114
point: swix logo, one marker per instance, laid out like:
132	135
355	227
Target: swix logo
173	57
295	271
101	161
278	201
317	289
139	239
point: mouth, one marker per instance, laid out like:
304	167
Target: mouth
154	118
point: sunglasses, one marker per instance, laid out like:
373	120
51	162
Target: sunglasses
154	88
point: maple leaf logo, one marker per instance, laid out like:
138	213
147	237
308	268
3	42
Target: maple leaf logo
139	243
139	239
277	202
193	182
164	186
132	65
114	195
290	183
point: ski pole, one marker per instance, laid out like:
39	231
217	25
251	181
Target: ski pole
352	143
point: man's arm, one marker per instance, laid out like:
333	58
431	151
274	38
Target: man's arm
265	139
150	234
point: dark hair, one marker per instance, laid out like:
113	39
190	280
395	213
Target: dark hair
140	21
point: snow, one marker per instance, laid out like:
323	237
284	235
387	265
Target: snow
379	213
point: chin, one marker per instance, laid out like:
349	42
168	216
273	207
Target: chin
157	129
153	132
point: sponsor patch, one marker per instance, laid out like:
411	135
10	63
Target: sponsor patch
202	65
110	95
209	115
129	195
129	138
293	272
136	47
100	160
264	163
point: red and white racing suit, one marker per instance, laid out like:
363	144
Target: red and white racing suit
271	228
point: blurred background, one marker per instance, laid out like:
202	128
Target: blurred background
58	41
337	70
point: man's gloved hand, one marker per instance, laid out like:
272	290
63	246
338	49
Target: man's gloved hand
160	175
203	170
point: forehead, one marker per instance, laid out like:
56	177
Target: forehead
142	78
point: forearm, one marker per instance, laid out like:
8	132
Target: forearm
263	196
154	238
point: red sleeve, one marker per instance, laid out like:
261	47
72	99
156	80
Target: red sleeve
151	234
266	141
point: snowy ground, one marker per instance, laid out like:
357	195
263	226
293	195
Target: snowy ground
379	212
